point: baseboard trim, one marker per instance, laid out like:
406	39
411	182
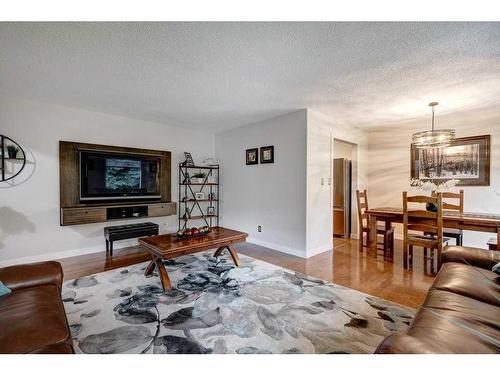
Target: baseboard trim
72	253
63	254
274	246
319	250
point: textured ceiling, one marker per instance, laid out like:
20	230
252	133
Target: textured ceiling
223	75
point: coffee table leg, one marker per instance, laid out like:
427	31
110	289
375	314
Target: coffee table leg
232	253
218	252
234	256
165	280
150	268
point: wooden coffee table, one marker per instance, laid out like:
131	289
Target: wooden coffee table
169	246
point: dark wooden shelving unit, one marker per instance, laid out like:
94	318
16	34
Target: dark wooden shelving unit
195	208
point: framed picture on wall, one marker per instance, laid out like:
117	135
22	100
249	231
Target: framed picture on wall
267	155
252	156
466	159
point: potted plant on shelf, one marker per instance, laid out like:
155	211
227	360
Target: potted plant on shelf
198	177
12	151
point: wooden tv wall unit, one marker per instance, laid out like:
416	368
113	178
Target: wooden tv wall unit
74	211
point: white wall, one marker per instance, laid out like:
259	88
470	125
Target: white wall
321	130
270	195
389	163
29	213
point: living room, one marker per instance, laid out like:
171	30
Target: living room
254	188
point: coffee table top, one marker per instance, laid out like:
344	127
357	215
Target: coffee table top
170	244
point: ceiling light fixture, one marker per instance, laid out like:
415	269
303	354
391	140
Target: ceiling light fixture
433	138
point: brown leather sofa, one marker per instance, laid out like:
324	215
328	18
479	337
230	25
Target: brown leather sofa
461	313
32	317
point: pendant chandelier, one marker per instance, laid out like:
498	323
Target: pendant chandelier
433	138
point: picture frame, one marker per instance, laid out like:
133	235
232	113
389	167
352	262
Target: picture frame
189	159
466	160
210	210
267	155
199	195
252	156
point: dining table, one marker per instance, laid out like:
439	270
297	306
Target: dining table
473	221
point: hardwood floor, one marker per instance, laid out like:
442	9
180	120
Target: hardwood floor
343	265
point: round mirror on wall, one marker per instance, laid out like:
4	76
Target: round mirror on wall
13	162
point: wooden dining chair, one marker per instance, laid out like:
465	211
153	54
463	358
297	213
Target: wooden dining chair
387	234
456	234
430	226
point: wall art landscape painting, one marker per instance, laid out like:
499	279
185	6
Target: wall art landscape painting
466	160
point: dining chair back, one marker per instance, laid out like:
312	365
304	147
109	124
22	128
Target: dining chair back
456	206
387	233
428	224
362	201
453	202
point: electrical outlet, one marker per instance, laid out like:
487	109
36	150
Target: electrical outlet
259	229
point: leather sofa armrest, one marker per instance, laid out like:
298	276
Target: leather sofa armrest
34	274
404	344
470	255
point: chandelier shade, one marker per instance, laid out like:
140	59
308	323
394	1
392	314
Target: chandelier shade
433	138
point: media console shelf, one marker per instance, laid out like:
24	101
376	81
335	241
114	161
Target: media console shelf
102	213
75	210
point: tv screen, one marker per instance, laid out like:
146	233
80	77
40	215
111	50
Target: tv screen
118	176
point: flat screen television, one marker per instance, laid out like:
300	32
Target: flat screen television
112	176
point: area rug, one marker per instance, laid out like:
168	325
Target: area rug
218	308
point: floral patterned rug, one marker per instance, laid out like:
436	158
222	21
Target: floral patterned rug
218	308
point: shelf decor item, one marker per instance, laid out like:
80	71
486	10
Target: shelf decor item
199	195
198	178
267	155
189	159
196	191
252	156
12	151
210	210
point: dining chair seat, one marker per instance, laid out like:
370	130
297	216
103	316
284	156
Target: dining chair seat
456	234
430	238
380	229
453	230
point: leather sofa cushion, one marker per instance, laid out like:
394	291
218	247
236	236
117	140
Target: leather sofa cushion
32	319
458	323
473	282
469	255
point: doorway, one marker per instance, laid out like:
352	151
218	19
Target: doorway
344	163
